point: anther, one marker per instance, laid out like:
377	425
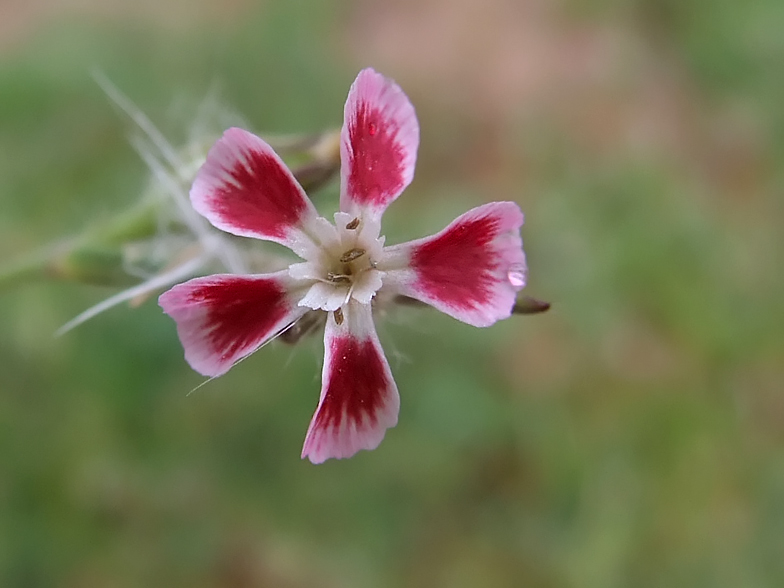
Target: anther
352	254
338	314
353	224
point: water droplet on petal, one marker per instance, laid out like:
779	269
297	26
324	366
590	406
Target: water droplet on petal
516	275
372	128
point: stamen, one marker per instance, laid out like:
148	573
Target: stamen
352	254
353	224
338	314
338	278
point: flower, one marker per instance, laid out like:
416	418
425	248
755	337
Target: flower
471	270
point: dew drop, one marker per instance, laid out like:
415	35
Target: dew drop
372	129
516	275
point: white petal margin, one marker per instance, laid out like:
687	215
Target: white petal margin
224	318
245	189
378	145
359	399
472	270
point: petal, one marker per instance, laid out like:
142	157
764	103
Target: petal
366	286
379	142
223	318
245	189
323	296
359	399
472	270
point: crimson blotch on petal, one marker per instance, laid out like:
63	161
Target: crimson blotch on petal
223	318
472	270
245	189
359	399
379	143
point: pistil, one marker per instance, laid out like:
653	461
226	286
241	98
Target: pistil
338	278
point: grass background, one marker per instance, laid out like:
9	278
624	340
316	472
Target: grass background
633	436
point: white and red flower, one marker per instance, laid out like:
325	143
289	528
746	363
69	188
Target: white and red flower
471	270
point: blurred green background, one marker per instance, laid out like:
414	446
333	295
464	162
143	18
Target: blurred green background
632	436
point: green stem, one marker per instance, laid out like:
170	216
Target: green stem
25	269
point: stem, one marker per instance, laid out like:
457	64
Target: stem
25	269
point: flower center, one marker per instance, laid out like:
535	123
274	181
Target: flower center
344	266
349	266
352	262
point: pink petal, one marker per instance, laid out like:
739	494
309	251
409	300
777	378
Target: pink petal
359	399
245	189
379	144
223	318
472	270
